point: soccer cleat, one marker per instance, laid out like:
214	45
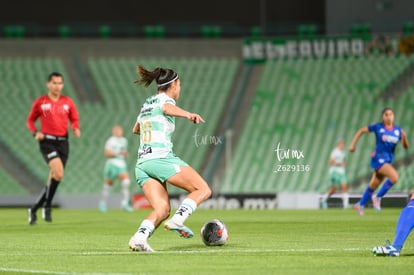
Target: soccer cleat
139	245
359	208
126	207
102	207
376	202
386	250
324	205
32	216
181	230
47	214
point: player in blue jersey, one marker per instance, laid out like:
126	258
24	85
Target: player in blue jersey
387	136
404	227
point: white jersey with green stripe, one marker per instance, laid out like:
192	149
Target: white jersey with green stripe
117	145
338	156
156	128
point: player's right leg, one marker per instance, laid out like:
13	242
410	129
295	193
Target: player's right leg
125	183
403	229
376	179
392	177
345	195
106	190
157	196
56	175
38	203
199	191
327	195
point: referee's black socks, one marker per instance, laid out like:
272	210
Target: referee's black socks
40	200
51	190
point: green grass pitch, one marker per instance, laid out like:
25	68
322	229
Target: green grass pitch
333	241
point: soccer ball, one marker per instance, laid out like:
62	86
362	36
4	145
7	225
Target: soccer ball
214	233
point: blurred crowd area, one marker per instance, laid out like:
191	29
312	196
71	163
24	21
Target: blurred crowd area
390	44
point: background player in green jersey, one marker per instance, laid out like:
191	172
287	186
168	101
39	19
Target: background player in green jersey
157	165
116	168
337	176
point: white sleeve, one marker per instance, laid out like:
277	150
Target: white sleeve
166	99
108	144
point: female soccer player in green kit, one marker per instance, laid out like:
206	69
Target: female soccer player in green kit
157	165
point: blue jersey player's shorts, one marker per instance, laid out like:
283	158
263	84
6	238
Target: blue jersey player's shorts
378	160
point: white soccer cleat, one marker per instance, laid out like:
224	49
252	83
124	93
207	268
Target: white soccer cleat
139	245
376	202
385	250
359	209
181	230
126	207
102	207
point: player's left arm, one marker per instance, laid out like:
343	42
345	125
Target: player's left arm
173	110
136	129
404	139
74	119
32	117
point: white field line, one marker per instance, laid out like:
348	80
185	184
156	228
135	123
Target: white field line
209	251
34	271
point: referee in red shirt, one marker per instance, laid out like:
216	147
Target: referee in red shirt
55	111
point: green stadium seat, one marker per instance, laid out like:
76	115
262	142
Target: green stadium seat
64	31
14	31
210	31
154	31
408	28
306	30
256	32
104	31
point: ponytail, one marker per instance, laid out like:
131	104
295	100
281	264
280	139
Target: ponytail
146	76
162	76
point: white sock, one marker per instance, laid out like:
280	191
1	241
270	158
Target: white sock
324	197
187	207
105	193
145	230
125	191
345	200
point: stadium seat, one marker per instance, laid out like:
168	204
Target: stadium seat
154	31
210	31
408	28
256	32
306	30
104	31
64	31
14	31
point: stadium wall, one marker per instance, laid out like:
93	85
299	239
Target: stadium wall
381	16
121	48
183	15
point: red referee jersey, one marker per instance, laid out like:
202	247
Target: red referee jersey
54	115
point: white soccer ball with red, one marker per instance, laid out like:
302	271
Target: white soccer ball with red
214	233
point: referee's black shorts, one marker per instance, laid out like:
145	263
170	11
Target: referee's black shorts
51	149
